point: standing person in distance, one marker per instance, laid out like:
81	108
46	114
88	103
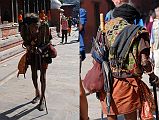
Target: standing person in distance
64	24
69	25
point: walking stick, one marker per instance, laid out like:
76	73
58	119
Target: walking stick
155	97
45	105
40	68
102	116
154	90
80	66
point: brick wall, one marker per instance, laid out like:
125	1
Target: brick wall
6	31
93	18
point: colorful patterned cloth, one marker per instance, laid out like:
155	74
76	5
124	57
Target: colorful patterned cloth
131	66
124	89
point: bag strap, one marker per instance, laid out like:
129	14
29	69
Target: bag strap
123	41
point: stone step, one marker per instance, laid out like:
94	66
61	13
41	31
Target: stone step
11	52
10	42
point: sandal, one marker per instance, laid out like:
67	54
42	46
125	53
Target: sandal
35	100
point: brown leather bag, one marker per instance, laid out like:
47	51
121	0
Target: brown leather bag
94	80
53	51
22	65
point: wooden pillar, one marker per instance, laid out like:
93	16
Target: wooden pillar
16	10
45	6
41	6
34	6
24	8
28	6
37	6
13	11
0	15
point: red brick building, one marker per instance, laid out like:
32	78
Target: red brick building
9	10
68	9
95	7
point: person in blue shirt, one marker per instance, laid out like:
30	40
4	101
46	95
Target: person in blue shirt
83	99
83	19
117	3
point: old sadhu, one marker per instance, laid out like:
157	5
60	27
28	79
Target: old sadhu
39	53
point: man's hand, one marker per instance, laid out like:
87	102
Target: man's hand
101	95
82	55
153	79
80	27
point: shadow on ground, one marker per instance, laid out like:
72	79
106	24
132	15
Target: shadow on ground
4	115
71	42
76	29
